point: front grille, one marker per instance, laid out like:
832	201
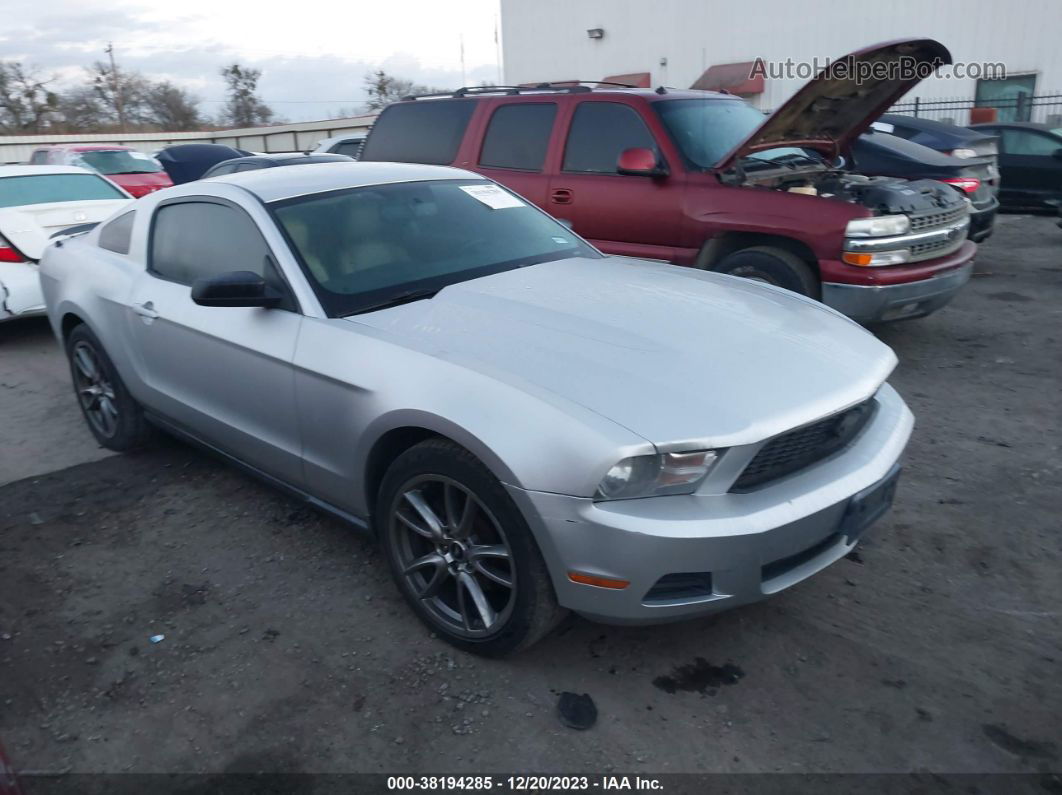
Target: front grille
921	222
802	447
921	251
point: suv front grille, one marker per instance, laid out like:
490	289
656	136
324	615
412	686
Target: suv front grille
921	222
802	447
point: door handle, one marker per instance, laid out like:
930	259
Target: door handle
146	310
561	196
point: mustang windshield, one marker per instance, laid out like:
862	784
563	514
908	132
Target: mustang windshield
707	129
366	248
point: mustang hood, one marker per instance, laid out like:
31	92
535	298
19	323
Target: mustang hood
845	98
672	354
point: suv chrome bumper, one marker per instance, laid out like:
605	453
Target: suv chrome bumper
930	244
749	545
882	303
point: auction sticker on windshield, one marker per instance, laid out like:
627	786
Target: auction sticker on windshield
492	196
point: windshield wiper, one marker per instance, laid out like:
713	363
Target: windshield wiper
396	300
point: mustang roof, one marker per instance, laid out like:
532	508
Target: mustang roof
273	184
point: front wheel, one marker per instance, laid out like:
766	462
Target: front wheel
461	552
773	266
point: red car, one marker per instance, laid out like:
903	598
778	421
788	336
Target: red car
138	173
704	179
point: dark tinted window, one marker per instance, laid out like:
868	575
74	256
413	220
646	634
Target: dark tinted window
366	245
421	131
348	148
600	132
194	239
518	136
39	157
1026	142
115	235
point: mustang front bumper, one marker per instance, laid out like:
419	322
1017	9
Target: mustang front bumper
689	555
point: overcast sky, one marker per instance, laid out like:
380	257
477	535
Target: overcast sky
313	55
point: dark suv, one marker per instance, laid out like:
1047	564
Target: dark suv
703	179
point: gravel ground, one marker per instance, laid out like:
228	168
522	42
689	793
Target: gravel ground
935	648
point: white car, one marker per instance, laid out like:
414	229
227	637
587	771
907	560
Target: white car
36	202
349	144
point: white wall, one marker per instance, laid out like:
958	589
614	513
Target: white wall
546	39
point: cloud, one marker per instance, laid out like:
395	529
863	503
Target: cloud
189	47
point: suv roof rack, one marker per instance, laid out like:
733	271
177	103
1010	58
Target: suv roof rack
563	86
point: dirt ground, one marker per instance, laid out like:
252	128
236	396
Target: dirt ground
286	647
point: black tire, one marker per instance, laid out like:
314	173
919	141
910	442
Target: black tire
772	265
113	416
441	475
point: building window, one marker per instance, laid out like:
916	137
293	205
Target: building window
1011	97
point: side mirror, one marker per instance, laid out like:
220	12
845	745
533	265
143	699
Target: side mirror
235	288
640	162
1057	154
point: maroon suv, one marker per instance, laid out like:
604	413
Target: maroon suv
704	179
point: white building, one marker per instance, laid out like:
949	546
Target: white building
675	42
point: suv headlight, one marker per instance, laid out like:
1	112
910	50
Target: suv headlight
881	226
654	475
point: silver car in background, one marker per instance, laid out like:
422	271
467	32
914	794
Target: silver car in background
527	425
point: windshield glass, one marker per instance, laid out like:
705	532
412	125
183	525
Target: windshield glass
48	188
366	246
707	129
118	161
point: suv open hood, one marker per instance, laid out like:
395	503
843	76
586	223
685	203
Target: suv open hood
844	98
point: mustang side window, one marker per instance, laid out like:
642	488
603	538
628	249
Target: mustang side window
195	239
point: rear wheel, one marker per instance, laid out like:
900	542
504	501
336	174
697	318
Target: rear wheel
773	266
461	553
113	416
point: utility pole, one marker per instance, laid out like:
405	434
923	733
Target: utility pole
116	87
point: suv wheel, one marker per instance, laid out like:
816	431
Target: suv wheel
115	419
461	552
773	266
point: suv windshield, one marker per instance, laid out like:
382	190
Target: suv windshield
118	161
365	248
707	129
48	188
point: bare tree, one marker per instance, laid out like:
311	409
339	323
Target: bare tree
244	107
172	108
122	95
81	110
26	103
383	89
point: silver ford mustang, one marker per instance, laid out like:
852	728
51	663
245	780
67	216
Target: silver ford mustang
527	425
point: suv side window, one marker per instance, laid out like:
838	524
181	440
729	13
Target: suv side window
599	133
419	131
40	157
225	239
518	136
115	235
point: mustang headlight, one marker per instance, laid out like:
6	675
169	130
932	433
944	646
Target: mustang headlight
653	475
880	226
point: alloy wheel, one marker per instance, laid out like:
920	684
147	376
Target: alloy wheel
94	389
453	556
